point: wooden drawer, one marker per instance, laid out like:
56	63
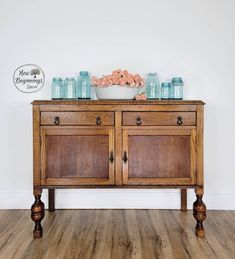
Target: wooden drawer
159	118
77	118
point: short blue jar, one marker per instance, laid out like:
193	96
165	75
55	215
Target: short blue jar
70	88
177	88
166	91
57	89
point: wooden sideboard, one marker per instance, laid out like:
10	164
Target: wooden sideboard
118	144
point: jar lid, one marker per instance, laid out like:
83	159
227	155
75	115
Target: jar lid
69	78
83	73
57	79
177	79
166	84
152	74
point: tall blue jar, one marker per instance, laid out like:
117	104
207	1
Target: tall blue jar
57	89
177	88
166	91
152	86
70	88
84	86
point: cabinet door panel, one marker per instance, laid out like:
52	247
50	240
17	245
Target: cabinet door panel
159	157
77	156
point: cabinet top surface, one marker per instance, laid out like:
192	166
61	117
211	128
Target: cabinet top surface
117	102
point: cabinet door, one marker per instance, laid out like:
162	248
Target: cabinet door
159	157
77	156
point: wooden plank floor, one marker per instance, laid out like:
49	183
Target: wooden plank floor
117	234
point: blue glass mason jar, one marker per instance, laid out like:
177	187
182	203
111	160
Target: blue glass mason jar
166	91
70	88
152	86
57	89
84	86
177	88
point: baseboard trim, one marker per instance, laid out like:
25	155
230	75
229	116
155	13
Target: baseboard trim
116	199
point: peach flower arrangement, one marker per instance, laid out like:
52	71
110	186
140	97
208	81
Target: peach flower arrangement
119	77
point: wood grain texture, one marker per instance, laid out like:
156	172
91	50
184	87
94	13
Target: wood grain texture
51	200
118	148
78	118
200	144
117	234
72	156
37	215
121	102
77	156
36	148
115	144
159	118
183	199
119	106
159	156
199	213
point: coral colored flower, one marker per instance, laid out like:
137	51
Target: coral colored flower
119	77
141	96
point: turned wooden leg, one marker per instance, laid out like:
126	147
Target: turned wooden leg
51	200
37	214
183	199
199	213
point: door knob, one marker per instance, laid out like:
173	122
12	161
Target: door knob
111	158
125	159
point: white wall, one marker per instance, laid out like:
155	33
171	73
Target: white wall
194	39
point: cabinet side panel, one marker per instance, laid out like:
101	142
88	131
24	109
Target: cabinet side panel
36	145
200	129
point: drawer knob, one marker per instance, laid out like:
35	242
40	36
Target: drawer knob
98	120
57	120
179	120
138	121
111	158
125	159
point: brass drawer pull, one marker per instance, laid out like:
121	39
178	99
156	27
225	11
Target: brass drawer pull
179	120
138	121
98	120
125	159
57	120
111	158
